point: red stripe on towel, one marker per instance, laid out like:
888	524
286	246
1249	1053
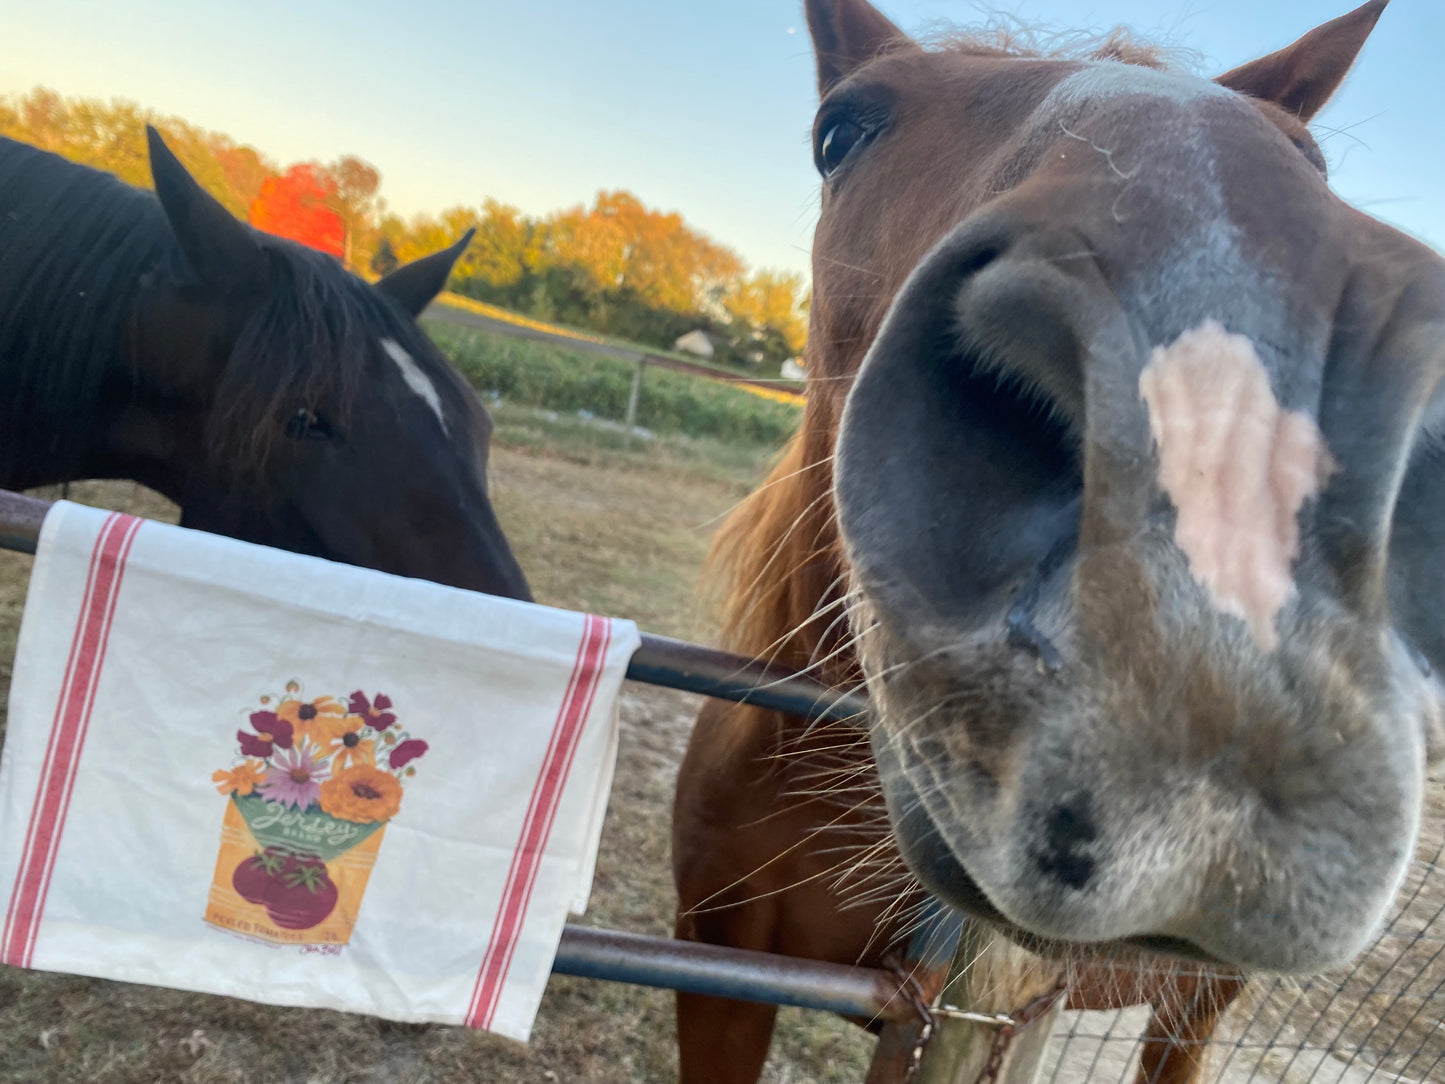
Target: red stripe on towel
67	736
537	826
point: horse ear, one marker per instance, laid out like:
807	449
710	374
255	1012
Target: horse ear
847	34
414	285
1301	77
221	250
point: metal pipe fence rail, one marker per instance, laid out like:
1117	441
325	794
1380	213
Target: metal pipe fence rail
966	1007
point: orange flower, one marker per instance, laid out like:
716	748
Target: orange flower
241	779
308	718
362	794
343	742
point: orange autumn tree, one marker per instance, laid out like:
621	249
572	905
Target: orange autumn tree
300	206
614	265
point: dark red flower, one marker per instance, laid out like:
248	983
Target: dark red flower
406	752
271	733
373	711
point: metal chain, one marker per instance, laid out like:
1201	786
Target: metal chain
912	990
1008	1024
1003	1038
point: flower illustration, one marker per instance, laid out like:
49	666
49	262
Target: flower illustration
308	716
375	712
241	779
361	794
342	741
295	777
406	752
272	732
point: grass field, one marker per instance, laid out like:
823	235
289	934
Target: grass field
540	374
600	524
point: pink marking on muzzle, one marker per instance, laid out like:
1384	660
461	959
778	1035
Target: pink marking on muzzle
1237	467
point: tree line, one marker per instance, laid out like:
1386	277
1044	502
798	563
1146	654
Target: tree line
615	266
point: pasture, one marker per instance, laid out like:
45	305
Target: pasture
599	523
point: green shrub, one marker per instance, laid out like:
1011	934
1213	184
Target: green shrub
538	374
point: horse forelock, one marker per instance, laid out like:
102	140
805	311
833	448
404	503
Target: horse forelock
1005	35
309	346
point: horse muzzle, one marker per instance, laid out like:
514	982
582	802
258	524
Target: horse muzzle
1113	702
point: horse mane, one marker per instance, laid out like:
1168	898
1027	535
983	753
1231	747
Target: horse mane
779	563
778	557
68	232
69	237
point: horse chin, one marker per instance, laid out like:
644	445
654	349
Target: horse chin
926	851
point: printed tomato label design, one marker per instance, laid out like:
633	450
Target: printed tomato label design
310	793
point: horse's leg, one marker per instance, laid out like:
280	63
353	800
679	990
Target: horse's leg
1186	1011
721	1041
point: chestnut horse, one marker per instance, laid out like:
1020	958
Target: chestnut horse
1119	485
273	396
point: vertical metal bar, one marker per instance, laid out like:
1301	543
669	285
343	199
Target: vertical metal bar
634	394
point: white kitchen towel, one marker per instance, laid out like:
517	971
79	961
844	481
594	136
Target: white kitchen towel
236	770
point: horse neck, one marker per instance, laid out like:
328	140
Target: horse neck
45	437
77	244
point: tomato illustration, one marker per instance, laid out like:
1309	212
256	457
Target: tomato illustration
301	896
253	876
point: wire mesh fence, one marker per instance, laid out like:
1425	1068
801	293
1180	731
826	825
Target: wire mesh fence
1380	1020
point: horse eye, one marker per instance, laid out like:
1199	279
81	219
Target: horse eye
307	425
1311	150
837	141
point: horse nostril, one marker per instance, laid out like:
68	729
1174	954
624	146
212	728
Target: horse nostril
981	258
1069	831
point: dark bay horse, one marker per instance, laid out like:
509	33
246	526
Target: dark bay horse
1120	484
254	382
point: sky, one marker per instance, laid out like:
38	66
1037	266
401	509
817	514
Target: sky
698	106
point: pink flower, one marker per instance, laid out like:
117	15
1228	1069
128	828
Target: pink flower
271	732
406	752
373	711
295	778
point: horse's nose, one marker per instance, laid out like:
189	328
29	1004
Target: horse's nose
1113	660
968	465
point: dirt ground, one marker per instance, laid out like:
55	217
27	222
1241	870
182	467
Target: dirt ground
621	529
599	526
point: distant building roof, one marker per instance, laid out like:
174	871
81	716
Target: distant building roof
695	342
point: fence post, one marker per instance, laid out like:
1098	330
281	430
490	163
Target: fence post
926	962
992	976
632	396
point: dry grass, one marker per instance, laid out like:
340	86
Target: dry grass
599	525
